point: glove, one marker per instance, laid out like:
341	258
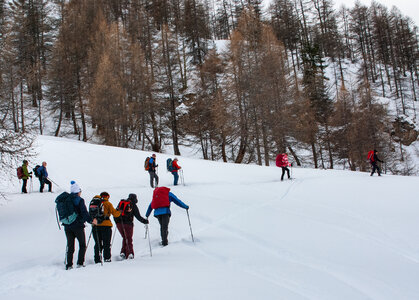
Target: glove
146	221
187	208
291	164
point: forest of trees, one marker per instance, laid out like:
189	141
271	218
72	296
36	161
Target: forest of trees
299	76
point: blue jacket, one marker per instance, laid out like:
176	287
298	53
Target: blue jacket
82	213
42	172
152	164
166	210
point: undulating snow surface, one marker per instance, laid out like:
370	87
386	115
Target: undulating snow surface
324	235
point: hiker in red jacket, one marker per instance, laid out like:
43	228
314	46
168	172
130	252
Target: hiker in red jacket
175	168
282	162
373	161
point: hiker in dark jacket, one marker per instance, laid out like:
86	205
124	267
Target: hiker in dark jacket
26	176
125	224
162	197
43	178
75	230
175	168
152	170
374	165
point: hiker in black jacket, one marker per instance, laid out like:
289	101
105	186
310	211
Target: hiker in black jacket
374	165
125	224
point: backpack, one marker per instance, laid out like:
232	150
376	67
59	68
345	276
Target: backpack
279	160
370	156
96	209
146	164
125	207
35	170
65	208
169	165
160	197
20	173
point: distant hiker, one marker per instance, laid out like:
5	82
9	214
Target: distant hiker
74	229
152	170
43	177
162	197
175	168
373	161
25	176
102	232
282	162
125	224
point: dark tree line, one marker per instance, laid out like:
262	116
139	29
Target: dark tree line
300	77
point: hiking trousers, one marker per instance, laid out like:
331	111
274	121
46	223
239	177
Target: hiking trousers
102	236
25	182
44	181
71	235
375	167
126	231
164	227
153	176
176	178
283	172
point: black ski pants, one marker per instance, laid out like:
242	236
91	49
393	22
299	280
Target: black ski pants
375	167
164	227
25	182
43	181
72	234
283	172
102	236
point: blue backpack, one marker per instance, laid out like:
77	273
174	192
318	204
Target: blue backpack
65	208
169	165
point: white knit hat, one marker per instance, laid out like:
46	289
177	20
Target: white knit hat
75	189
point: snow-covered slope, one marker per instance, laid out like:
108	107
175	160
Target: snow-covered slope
325	235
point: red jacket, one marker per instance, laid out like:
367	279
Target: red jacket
175	166
282	160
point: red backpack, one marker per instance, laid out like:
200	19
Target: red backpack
125	207
279	160
20	172
160	197
370	156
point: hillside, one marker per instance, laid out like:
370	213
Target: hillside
326	234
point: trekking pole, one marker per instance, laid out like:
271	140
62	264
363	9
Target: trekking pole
190	226
56	215
113	237
88	241
149	243
145	232
55	183
65	256
31	185
182	177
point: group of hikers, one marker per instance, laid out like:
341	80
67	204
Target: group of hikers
40	172
73	214
151	166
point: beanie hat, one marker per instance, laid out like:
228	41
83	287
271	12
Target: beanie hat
133	198
74	189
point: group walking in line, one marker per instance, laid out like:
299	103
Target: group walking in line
73	213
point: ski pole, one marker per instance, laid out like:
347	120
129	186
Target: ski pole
88	241
56	215
189	220
31	185
149	243
55	183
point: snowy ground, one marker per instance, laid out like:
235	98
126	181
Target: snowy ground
325	235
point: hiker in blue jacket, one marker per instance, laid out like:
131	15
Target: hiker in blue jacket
152	171
43	178
75	230
162	198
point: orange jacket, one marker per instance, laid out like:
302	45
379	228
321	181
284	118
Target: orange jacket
109	210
